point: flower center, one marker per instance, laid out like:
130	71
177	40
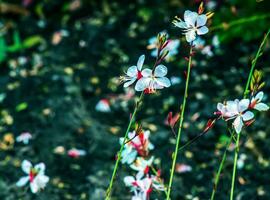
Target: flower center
139	75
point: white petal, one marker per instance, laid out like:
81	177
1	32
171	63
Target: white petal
238	124
142	84
248	116
261	107
140	62
190	18
132	71
203	30
243	105
40	167
220	107
146	72
190	35
181	24
34	187
259	96
160	71
26	166
201	20
128	180
163	81
22	181
128	83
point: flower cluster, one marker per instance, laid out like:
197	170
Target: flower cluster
241	110
35	175
135	154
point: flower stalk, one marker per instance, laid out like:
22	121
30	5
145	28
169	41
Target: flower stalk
182	108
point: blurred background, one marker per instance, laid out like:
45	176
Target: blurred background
60	67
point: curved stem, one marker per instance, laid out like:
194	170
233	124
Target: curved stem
182	108
109	190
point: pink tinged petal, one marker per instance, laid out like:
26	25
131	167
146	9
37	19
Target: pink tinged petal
163	81
181	24
238	124
261	107
26	166
160	71
132	71
22	181
259	96
248	116
190	18
140	62
203	30
142	84
34	187
40	167
146	72
128	83
243	105
190	35
201	20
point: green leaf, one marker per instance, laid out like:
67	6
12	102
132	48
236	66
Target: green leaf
22	106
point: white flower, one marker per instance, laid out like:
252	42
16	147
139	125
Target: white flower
35	175
103	106
75	153
193	25
236	110
142	165
137	145
134	72
256	103
24	138
153	80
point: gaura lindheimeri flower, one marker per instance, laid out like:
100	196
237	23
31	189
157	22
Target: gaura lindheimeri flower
142	165
193	25
75	153
35	175
103	106
257	104
142	187
236	110
153	80
138	145
172	47
24	138
134	72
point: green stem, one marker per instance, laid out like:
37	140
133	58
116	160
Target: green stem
220	169
108	194
182	108
246	92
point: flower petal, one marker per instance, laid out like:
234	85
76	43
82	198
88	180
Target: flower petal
259	96
40	167
128	83
238	124
22	181
132	71
163	81
128	180
248	116
190	35
261	107
26	166
142	84
146	72
201	20
140	62
190	17
160	71
34	187
203	30
243	105
181	24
